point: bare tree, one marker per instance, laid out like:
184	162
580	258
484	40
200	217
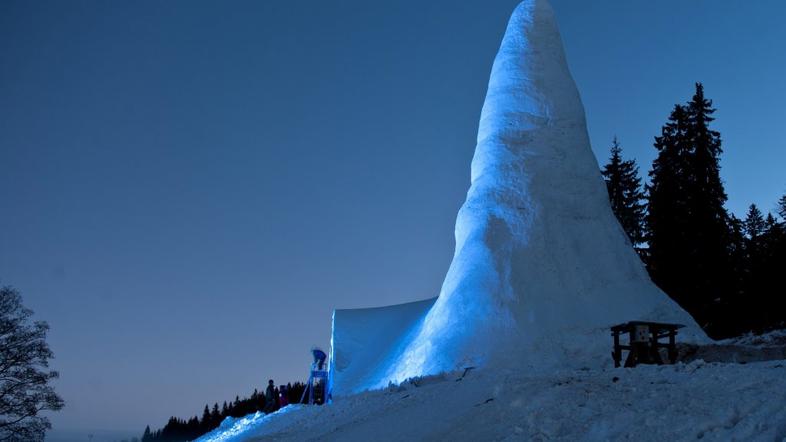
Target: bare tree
24	372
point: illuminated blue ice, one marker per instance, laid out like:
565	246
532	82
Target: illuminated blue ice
238	429
541	265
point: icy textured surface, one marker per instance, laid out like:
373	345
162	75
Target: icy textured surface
542	268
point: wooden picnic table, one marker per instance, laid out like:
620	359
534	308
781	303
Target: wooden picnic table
644	342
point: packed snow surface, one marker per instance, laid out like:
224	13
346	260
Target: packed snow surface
541	268
708	401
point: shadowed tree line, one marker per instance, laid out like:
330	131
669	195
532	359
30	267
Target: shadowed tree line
177	429
725	271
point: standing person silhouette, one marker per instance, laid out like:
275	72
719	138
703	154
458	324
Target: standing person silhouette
270	397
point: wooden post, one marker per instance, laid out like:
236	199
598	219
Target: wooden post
654	351
617	350
672	345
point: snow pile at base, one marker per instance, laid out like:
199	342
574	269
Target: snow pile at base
542	267
232	429
771	339
708	401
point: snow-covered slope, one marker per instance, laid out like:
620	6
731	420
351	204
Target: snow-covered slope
716	402
542	268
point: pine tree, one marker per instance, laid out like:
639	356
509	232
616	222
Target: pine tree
782	207
146	437
668	215
770	223
707	197
774	230
215	417
625	194
755	259
773	237
738	260
193	429
688	227
773	261
754	223
206	422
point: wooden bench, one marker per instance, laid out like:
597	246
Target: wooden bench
644	342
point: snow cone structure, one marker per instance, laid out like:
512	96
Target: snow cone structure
542	268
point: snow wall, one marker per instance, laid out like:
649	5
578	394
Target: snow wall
542	268
362	341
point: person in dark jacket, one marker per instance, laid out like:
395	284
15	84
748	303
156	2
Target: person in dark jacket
270	397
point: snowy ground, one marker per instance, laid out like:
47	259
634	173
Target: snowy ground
698	400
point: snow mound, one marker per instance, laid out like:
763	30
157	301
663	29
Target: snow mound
542	268
743	349
716	402
232	429
775	338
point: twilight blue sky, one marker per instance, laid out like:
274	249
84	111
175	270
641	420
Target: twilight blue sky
188	188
